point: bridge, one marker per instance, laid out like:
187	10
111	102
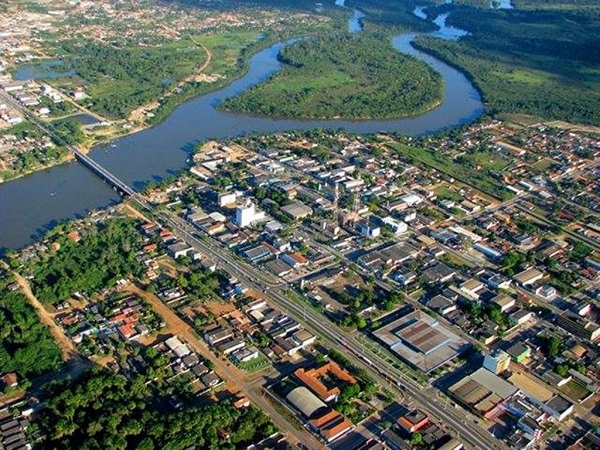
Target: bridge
122	188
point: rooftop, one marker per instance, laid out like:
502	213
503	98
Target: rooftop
421	340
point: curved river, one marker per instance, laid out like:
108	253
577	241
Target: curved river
31	205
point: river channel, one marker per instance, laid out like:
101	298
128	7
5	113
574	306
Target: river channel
31	205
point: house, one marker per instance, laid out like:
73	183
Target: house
297	210
210	379
412	421
519	352
295	259
547	291
520	316
441	305
528	277
504	301
230	345
220	334
242	402
245	354
179	249
472	287
298	340
9	380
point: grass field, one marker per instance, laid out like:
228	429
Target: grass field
254	365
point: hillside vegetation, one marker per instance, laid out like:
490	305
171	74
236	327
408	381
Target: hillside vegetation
343	76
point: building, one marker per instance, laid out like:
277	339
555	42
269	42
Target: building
246	215
504	301
579	326
472	287
179	249
558	407
313	378
331	425
497	362
367	229
421	341
411	200
217	335
306	402
412	421
227	198
295	259
397	226
297	210
528	277
519	352
483	392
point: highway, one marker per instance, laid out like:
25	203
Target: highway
275	292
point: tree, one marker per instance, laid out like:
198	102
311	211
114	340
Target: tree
349	392
562	370
416	439
553	346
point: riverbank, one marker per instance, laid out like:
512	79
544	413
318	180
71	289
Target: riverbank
344	76
230	57
38	202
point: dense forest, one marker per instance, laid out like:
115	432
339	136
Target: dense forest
98	260
543	62
104	410
26	346
121	79
343	76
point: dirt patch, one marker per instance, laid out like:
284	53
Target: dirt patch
219	309
66	346
131	211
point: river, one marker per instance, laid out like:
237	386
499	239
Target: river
31	205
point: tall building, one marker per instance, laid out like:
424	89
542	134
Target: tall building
246	215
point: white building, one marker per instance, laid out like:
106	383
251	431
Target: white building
397	226
246	215
227	198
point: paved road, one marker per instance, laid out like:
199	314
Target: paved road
274	291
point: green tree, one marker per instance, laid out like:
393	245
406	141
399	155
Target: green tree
416	439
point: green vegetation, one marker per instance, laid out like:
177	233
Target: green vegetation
26	346
69	131
383	13
476	168
36	156
542	63
121	79
343	76
105	410
103	256
254	365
